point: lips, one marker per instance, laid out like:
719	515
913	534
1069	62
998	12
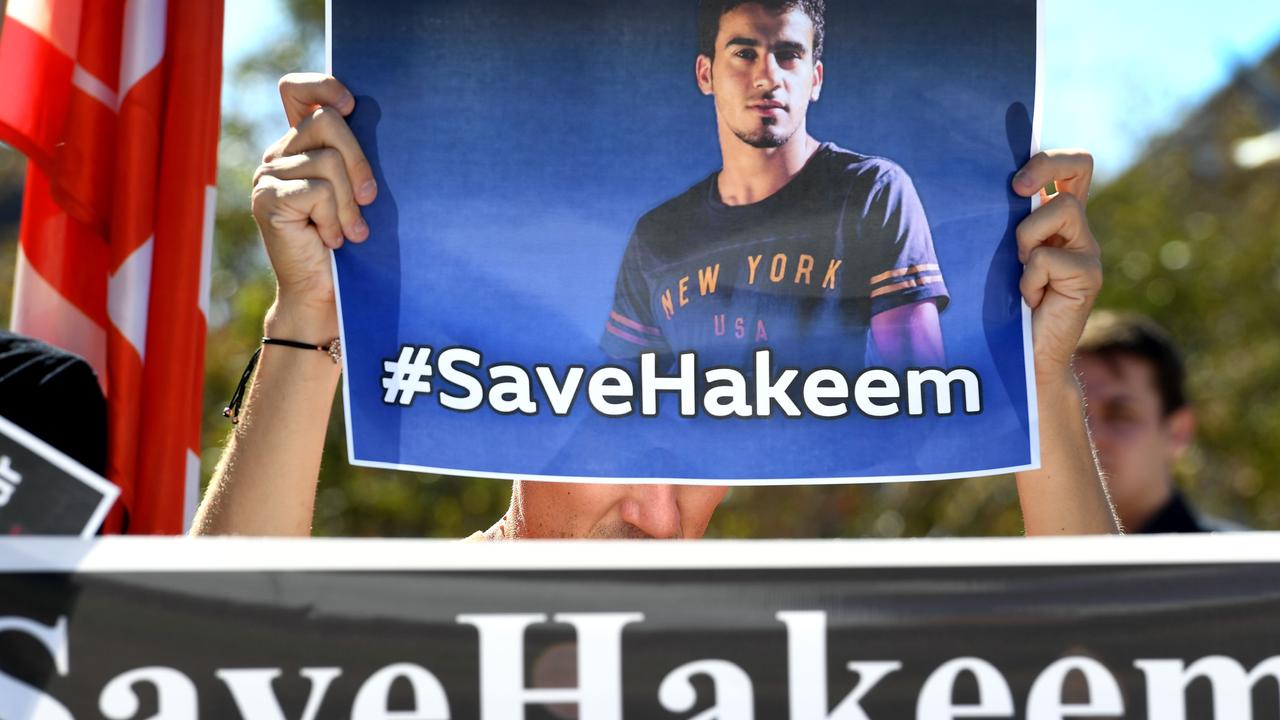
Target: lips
768	105
768	108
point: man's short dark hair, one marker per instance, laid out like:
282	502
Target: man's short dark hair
1110	335
710	12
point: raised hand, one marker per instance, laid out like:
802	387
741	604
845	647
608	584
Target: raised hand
307	195
1063	273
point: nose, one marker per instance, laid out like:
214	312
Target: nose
767	72
653	509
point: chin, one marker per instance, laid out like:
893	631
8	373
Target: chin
765	140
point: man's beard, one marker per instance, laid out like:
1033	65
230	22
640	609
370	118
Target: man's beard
766	137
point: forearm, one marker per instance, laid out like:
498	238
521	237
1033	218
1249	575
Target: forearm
1067	495
265	483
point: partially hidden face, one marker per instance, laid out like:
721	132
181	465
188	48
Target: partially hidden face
763	75
596	511
1137	441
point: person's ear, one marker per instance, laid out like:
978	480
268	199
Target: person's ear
702	71
817	82
1181	429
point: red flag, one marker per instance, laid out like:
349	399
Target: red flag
115	103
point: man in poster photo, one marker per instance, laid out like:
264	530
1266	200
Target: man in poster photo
795	244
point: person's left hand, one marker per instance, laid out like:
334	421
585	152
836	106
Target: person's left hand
1063	264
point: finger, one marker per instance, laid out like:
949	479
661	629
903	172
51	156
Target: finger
1073	275
326	164
1070	170
302	93
1060	222
325	128
285	206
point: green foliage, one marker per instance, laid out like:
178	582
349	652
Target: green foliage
308	14
1190	238
12	171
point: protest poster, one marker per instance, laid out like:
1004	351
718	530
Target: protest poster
1150	627
45	492
555	286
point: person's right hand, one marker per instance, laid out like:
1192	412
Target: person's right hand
306	200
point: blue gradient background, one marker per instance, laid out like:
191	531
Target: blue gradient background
516	144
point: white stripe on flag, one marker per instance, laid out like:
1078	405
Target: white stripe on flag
206	249
94	88
58	21
128	294
40	311
143	44
191	496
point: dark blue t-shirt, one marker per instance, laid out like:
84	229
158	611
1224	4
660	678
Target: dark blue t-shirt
801	272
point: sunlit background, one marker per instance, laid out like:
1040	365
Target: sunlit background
1180	104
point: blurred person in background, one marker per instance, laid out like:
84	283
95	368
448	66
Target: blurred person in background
1141	421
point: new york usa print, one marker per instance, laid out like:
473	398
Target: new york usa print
674	241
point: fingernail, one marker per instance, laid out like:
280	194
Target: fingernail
368	190
1021	181
346	102
359	229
